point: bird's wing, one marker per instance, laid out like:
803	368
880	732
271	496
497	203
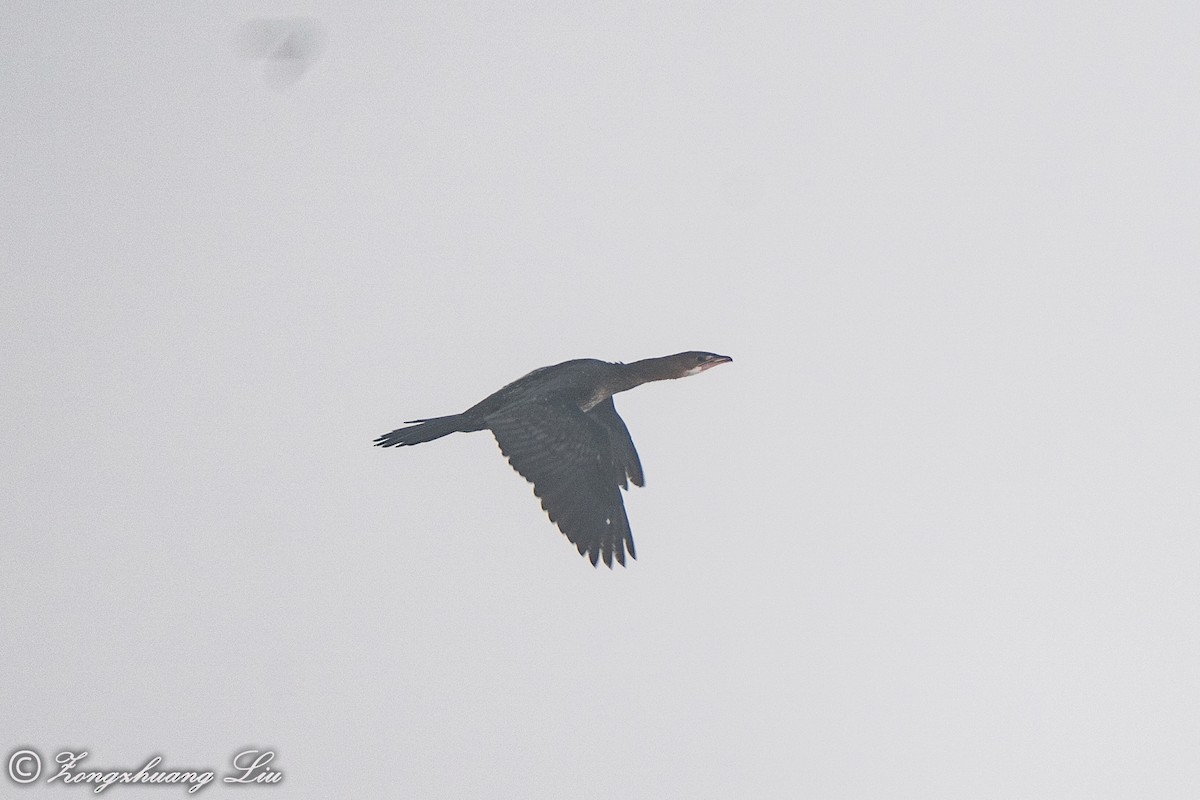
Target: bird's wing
620	441
569	459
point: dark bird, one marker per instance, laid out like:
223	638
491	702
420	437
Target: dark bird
560	430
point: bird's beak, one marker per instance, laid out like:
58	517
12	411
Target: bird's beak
714	361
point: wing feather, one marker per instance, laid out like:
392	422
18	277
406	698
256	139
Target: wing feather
620	442
570	459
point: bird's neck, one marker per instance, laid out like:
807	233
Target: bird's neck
648	369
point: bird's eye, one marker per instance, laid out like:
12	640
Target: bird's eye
700	359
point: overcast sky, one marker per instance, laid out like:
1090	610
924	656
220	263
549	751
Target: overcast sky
934	533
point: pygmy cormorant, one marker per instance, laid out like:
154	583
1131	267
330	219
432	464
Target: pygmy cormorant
560	430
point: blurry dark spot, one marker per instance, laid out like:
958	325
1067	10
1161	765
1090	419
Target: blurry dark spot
287	46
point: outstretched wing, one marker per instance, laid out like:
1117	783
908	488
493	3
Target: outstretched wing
570	460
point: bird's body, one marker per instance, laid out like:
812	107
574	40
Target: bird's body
560	430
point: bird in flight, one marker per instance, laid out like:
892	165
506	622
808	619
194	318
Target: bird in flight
559	429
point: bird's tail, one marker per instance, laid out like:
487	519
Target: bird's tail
423	430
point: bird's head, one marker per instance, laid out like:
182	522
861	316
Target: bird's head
694	362
680	365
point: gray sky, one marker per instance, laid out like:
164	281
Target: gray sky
932	534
